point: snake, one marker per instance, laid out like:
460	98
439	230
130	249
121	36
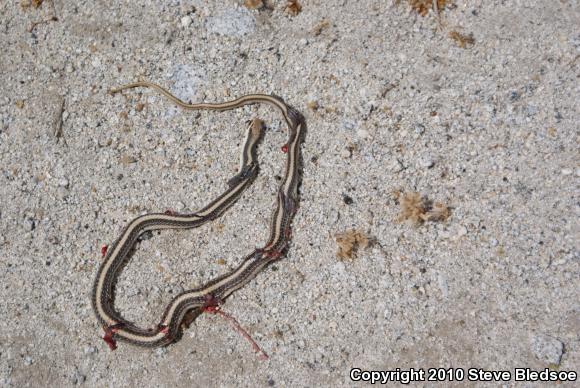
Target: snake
195	301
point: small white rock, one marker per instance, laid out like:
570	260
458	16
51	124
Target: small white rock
547	348
344	153
186	21
443	286
29	224
63	182
362	133
233	22
387	313
461	231
348	124
559	261
426	161
566	171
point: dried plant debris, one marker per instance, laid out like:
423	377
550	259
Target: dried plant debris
293	7
323	25
350	243
462	40
418	209
422	7
313	105
253	4
30	3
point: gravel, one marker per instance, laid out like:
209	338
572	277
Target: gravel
392	104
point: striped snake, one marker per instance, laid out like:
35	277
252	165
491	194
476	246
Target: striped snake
193	302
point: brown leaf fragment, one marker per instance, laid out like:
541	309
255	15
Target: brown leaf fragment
462	40
313	105
350	243
422	7
293	7
439	212
253	4
418	209
317	30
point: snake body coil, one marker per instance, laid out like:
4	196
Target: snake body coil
197	299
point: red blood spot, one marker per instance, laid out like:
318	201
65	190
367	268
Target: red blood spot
284	148
170	212
211	309
104	250
211	304
108	337
164	329
273	254
110	341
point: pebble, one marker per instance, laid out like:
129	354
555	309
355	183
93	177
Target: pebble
362	133
348	124
387	313
185	82
96	62
419	129
233	22
566	171
29	224
345	153
547	349
443	285
28	360
63	182
461	231
426	161
531	110
78	378
186	21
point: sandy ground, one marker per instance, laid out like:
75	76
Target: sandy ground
393	104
